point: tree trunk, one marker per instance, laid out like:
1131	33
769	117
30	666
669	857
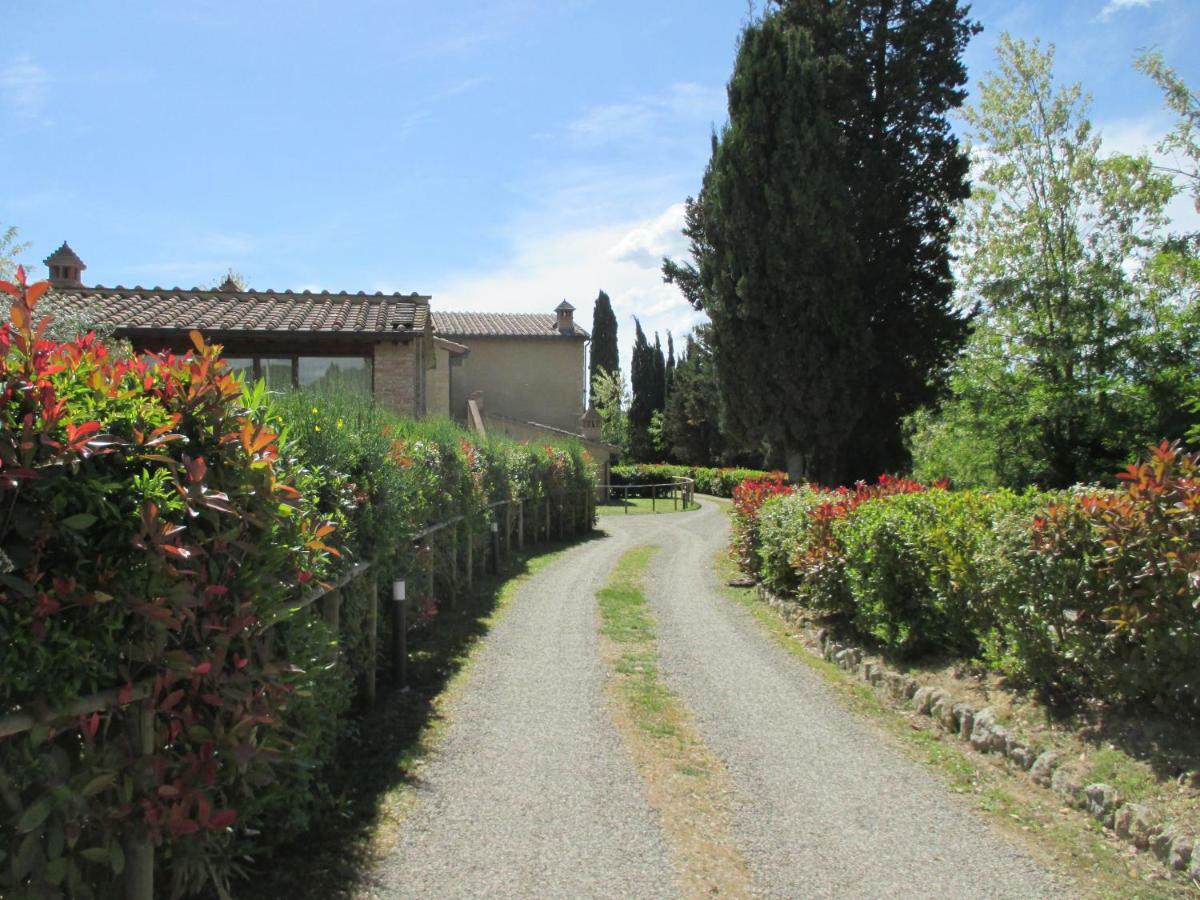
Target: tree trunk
797	466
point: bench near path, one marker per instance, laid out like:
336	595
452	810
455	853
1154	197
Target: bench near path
532	795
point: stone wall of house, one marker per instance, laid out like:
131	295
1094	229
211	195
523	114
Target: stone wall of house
530	379
397	377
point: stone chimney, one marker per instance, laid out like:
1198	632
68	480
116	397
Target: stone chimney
590	423
566	318
66	268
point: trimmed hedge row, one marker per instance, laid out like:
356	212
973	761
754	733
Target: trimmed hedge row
158	517
1087	592
715	482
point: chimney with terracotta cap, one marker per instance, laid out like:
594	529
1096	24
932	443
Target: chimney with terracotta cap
66	268
566	317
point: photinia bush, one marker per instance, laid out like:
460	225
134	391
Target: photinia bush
150	528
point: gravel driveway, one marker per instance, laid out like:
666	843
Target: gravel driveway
531	794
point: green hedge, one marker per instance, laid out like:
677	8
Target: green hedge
1089	592
715	482
160	521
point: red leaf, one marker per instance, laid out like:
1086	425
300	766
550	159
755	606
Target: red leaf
203	669
222	819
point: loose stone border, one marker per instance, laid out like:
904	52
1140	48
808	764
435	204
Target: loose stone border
1175	848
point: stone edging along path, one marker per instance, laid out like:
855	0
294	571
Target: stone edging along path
1131	822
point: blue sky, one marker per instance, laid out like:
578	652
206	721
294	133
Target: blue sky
501	155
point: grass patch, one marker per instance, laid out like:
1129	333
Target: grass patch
685	783
637	506
371	784
1065	839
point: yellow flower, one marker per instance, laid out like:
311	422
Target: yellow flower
316	428
341	424
315	410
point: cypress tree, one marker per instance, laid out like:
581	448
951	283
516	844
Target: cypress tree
776	261
641	408
670	382
605	355
903	75
660	375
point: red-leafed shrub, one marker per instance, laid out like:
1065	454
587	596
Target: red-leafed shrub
748	498
1101	590
149	530
1089	592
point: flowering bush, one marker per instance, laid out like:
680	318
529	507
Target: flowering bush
1093	592
151	526
159	521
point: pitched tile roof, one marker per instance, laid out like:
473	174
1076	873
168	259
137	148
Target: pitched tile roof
464	324
170	309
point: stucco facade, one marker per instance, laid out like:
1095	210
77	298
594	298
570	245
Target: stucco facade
533	379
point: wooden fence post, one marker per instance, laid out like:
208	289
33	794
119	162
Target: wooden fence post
372	634
654	498
508	528
521	526
139	851
331	610
453	530
400	637
626	501
429	575
495	528
547	518
470	540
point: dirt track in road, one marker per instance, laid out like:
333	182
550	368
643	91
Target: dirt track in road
531	794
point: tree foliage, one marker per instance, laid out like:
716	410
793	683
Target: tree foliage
10	249
642	403
605	356
1087	334
820	236
906	174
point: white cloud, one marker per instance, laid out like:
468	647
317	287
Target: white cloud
575	265
645	117
23	87
1115	6
647	244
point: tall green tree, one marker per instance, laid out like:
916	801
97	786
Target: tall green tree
775	260
859	130
1068	371
659	394
903	74
691	430
605	356
671	363
642	406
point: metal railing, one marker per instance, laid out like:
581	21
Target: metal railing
577	507
680	488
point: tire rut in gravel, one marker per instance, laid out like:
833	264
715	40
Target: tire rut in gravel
531	794
827	809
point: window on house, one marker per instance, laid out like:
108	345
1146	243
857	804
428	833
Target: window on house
277	372
350	374
335	374
243	364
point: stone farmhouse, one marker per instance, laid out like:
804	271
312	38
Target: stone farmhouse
520	374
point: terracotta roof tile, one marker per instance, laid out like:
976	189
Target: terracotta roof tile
128	309
465	324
